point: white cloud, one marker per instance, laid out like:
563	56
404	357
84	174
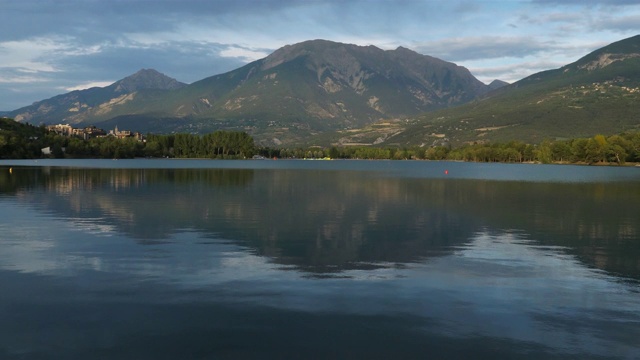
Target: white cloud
88	85
147	40
80	51
39	54
509	71
29	54
243	53
484	47
21	79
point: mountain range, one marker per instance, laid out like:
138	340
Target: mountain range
323	92
298	91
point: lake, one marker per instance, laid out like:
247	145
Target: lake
292	259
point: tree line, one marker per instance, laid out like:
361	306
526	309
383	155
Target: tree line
618	149
21	141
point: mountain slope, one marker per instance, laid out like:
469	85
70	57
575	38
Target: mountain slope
78	106
598	94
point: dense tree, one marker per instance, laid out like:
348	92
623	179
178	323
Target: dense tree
544	152
219	144
20	141
561	151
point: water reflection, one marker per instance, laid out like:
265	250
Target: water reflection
144	263
329	221
500	292
322	221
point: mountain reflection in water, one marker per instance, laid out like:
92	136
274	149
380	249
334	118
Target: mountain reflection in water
461	266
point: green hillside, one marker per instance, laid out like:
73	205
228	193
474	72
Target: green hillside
598	94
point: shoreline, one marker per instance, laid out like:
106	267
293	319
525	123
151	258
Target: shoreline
30	162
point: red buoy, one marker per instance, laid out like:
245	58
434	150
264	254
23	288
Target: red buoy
446	172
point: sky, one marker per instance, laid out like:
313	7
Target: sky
51	47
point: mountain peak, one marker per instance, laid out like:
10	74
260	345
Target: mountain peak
402	49
496	84
316	48
146	79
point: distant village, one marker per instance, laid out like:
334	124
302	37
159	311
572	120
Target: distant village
88	133
92	132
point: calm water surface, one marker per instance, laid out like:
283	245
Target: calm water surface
171	259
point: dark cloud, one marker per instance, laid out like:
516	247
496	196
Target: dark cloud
93	19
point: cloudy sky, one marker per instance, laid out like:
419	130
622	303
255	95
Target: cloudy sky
49	47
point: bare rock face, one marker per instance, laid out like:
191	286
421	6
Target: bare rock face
605	60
